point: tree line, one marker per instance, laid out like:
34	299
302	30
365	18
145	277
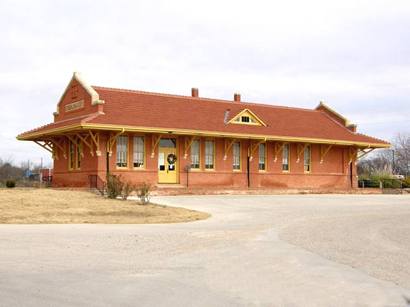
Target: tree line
391	161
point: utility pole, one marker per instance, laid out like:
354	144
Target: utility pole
39	172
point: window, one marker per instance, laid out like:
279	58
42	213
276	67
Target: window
195	154
209	154
122	151
306	159
285	158
245	119
236	156
262	157
139	152
71	155
74	155
79	154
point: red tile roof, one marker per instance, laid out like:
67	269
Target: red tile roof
172	112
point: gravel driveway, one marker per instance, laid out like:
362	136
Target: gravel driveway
291	250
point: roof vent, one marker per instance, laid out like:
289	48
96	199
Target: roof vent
237	97
194	92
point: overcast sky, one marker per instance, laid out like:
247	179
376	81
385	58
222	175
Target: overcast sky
353	54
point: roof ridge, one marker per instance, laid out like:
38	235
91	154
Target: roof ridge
338	123
244	103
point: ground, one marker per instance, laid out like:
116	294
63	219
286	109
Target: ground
49	206
289	250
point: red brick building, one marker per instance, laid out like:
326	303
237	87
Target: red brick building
156	138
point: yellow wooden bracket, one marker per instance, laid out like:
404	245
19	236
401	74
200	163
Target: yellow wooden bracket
324	151
278	148
254	147
85	141
352	154
95	137
56	144
228	144
363	152
187	145
299	150
154	144
111	140
47	145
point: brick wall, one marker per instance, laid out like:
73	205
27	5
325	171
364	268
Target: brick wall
334	172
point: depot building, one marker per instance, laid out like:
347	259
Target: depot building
165	139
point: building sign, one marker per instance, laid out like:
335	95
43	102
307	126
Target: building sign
74	106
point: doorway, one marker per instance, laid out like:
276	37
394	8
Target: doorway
167	161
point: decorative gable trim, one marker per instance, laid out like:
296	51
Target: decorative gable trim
95	98
254	120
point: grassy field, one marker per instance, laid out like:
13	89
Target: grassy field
48	206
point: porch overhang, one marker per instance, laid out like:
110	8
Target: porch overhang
40	135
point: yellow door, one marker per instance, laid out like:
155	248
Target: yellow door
167	171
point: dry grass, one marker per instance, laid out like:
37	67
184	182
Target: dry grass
48	206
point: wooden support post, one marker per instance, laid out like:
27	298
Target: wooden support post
228	144
323	152
352	154
277	149
299	150
154	144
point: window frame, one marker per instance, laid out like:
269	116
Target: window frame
310	159
265	162
199	155
74	155
126	152
288	157
240	157
78	155
214	155
144	153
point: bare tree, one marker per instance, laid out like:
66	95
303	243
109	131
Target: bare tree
401	147
393	161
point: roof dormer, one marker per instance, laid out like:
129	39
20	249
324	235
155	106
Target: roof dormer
247	117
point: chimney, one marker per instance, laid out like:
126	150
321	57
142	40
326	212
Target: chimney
237	97
352	127
226	116
194	92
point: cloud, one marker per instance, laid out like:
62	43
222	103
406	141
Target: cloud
352	54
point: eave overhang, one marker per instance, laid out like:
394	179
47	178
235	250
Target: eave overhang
170	131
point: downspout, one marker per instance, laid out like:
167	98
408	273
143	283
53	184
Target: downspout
107	159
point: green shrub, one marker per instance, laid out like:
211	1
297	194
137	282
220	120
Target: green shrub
391	183
10	183
144	193
114	186
406	183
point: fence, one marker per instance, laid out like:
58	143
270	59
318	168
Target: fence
383	184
